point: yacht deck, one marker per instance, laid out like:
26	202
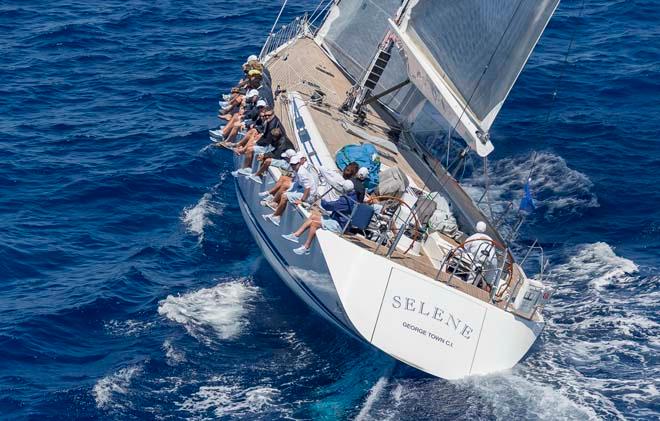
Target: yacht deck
304	67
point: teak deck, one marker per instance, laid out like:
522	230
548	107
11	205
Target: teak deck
303	67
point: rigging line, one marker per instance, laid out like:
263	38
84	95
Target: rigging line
385	12
560	78
490	60
327	90
317	8
531	169
322	12
487	184
363	70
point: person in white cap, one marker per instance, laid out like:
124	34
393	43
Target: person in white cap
303	190
332	186
339	212
358	181
481	248
271	198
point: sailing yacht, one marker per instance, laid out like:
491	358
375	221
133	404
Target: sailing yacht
368	74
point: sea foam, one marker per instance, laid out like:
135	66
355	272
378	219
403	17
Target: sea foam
107	389
197	218
221	310
557	189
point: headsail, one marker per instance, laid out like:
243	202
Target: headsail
465	56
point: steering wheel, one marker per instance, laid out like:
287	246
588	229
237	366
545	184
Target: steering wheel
401	202
475	263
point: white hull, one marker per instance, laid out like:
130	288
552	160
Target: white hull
415	319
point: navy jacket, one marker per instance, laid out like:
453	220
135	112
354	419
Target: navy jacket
344	205
266	138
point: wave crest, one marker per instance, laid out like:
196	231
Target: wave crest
557	189
106	390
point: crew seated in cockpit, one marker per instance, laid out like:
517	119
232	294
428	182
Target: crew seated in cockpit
481	249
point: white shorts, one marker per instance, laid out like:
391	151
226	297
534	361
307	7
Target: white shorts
281	164
259	150
294	195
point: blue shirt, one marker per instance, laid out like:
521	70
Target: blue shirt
341	208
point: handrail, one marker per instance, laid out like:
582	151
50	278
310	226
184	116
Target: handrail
270	34
281	37
536	246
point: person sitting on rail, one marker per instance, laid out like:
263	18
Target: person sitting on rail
246	113
258	143
282	147
241	122
252	63
232	106
235	91
303	190
267	141
481	249
339	210
272	197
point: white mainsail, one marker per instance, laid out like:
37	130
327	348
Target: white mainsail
465	56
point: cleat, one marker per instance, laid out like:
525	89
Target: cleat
245	171
235	173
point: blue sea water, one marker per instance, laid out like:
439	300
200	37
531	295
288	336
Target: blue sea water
131	289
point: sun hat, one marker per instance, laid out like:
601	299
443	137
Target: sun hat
295	159
289	153
252	93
